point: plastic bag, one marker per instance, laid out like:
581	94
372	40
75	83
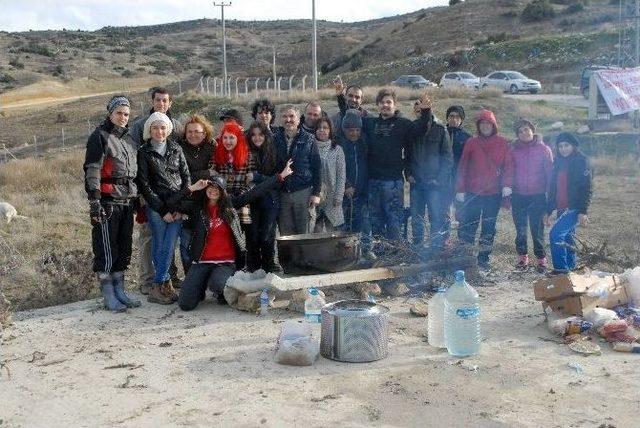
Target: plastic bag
557	324
600	316
296	345
632	277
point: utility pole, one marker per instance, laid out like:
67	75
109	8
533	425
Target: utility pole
314	48
274	63
637	17
222	5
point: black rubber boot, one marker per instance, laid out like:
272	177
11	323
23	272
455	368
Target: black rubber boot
106	287
118	289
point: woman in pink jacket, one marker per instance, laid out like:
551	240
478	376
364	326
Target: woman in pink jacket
533	164
485	176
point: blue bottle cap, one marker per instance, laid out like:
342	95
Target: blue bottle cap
459	276
313	291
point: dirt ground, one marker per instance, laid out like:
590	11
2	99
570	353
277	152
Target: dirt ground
76	365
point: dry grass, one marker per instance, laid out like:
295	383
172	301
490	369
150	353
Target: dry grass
625	166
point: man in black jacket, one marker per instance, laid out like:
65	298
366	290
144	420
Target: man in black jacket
110	168
301	190
429	173
389	136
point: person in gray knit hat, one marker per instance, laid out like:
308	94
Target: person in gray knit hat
110	168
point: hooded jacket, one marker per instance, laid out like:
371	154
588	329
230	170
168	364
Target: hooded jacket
533	164
355	156
110	165
579	182
486	165
430	155
388	143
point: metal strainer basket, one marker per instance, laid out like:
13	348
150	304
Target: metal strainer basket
354	331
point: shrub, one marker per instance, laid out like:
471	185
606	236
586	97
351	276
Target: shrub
17	64
574	8
6	78
454	2
537	10
127	73
37	49
356	62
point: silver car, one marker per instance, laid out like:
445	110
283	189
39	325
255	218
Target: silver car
459	79
510	81
413	81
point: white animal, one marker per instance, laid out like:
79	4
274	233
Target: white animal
8	211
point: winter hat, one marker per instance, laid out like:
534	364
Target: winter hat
231	114
567	138
457	109
352	119
156	117
522	122
219	181
116	102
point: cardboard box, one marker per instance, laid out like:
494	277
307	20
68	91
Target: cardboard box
582	303
560	286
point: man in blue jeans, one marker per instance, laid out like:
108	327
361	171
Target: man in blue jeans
388	136
429	172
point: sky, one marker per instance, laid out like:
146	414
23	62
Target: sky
23	15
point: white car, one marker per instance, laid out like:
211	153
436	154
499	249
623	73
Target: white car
510	81
460	79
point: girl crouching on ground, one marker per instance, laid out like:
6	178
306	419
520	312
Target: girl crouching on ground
218	244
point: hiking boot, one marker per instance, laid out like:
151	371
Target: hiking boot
522	262
145	288
118	289
156	295
541	267
106	287
167	289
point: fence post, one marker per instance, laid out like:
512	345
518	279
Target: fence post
290	82
215	86
246	86
279	82
256	85
207	80
62	139
267	85
201	84
180	87
237	78
35	144
229	86
304	79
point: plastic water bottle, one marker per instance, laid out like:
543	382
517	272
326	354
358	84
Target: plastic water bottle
435	328
264	302
313	306
462	318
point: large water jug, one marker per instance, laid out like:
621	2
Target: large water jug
435	328
462	318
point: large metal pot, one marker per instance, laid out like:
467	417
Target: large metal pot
354	331
318	252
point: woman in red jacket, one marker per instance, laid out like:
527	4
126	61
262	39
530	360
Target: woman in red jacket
485	176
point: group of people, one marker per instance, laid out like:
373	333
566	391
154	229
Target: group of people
222	195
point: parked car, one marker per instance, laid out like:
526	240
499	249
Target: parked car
510	81
460	79
413	81
586	74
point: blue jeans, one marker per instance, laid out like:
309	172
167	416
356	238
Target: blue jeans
562	242
186	233
163	243
430	196
386	208
356	219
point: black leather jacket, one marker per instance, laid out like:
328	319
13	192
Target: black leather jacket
163	180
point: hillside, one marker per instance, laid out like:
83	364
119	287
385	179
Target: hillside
194	47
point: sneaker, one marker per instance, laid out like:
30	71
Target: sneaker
167	289
542	265
156	295
523	262
145	288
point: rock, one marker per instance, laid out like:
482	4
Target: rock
557	125
296	303
419	309
396	289
250	302
584	129
366	289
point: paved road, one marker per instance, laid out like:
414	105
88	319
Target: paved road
560	99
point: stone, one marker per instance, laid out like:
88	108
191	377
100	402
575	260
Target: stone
557	125
366	289
584	129
296	303
250	302
419	309
396	289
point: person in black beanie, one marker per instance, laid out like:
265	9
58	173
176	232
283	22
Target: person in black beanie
110	169
570	195
458	136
